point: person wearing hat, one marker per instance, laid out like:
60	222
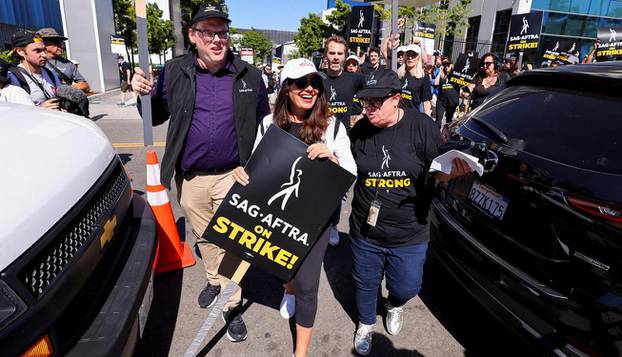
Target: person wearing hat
10	93
214	101
341	86
400	55
416	88
448	95
393	148
302	109
352	64
31	74
65	69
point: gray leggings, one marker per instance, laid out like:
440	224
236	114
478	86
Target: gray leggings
307	282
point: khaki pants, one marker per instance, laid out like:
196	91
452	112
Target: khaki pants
199	196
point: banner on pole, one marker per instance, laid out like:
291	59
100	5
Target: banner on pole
524	34
362	21
274	221
426	33
610	47
465	69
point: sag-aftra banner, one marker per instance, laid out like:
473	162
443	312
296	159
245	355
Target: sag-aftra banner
524	35
361	27
610	47
274	221
465	69
426	33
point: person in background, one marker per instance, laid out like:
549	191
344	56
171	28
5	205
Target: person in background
373	66
488	81
353	64
10	93
66	70
214	101
510	66
447	101
125	76
31	74
393	148
269	82
416	88
400	55
302	110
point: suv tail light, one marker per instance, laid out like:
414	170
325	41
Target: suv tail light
611	214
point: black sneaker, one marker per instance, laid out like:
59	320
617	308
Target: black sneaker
236	329
207	297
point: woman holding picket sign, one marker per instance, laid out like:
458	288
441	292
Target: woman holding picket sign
302	110
393	148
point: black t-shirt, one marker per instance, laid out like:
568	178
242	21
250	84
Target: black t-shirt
294	129
447	93
480	93
123	68
341	91
367	69
415	91
394	162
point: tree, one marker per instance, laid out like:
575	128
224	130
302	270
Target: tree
160	33
311	34
339	19
125	24
257	41
450	21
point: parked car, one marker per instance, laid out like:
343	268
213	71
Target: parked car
76	244
537	239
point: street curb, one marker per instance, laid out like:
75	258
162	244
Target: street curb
108	93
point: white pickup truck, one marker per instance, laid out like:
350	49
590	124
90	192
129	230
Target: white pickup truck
76	243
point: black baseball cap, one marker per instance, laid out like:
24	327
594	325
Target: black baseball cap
380	84
24	38
209	11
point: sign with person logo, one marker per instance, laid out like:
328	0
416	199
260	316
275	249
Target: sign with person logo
274	221
426	34
524	34
465	69
610	46
362	22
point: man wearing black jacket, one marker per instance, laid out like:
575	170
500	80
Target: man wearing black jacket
214	102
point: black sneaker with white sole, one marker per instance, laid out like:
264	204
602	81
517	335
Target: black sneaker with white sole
236	329
208	295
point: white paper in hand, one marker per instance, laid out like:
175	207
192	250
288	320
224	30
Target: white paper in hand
443	163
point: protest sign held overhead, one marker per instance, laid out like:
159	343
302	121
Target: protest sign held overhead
465	69
610	47
426	34
524	35
362	22
273	222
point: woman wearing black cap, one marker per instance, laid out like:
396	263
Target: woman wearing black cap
302	110
393	148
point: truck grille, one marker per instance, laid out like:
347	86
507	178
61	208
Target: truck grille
40	272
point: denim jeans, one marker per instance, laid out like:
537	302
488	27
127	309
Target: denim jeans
403	267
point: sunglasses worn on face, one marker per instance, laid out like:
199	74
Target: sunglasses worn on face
304	82
375	103
486	64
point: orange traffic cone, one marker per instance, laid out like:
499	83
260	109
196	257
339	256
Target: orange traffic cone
171	254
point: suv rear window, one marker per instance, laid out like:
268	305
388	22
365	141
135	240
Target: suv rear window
576	128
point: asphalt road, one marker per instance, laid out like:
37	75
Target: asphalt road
442	321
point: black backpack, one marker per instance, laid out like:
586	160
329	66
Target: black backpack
22	80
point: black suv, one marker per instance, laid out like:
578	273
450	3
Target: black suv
537	239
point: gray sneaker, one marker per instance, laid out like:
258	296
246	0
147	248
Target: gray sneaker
362	339
395	320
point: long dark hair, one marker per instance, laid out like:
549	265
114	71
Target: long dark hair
316	119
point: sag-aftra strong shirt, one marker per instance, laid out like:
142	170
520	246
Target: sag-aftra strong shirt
393	167
341	91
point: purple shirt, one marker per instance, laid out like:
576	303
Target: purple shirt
211	143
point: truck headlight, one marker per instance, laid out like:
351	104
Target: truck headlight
11	305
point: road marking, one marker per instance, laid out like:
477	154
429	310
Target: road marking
137	145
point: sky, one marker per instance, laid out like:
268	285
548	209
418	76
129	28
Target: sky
271	14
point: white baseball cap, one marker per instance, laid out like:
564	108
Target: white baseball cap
298	68
401	49
353	57
412	47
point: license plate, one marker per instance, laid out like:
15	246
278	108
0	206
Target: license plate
145	306
486	199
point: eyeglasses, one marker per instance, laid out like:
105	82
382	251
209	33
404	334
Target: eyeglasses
375	103
211	35
304	82
486	64
352	64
